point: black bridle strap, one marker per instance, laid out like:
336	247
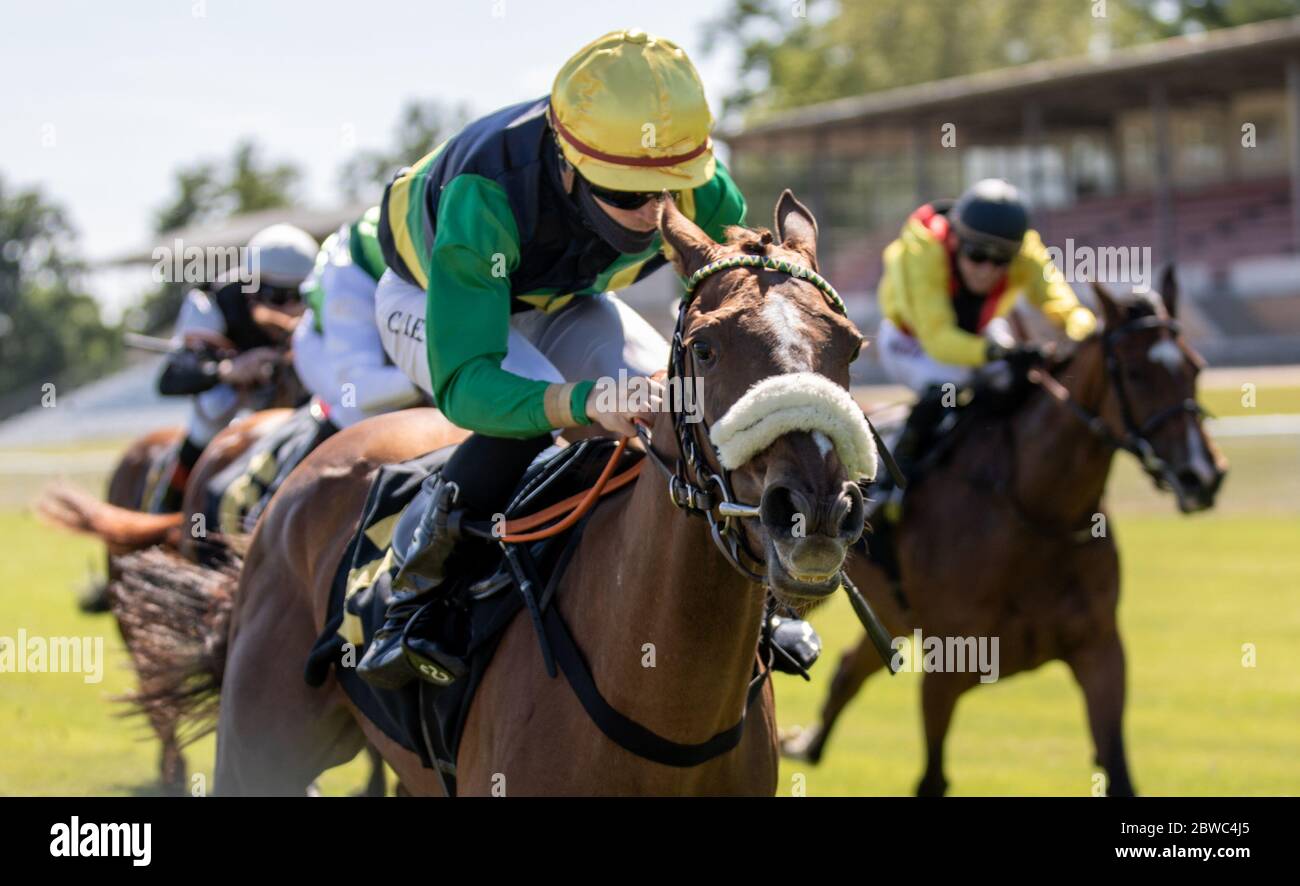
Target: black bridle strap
625	732
1135	439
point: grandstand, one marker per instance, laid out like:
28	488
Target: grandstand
1199	162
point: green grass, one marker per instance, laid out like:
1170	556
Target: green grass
61	735
1195	590
1267	400
1198	722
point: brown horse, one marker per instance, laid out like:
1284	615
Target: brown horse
1041	570
124	529
643	573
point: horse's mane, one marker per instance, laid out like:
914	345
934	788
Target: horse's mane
753	241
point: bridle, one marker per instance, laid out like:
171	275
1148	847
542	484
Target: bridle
1135	437
694	484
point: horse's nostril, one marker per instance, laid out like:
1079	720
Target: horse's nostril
780	512
852	512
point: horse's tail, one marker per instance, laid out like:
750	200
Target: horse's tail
121	528
176	615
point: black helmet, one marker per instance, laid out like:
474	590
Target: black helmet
991	214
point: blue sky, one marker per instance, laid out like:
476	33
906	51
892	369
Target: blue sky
102	101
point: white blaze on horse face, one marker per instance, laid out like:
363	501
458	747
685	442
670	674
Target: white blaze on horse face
824	444
793	349
1166	353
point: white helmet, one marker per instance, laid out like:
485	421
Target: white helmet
282	254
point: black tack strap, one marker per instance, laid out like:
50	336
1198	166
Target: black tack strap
623	731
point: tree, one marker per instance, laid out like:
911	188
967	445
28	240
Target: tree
422	127
245	183
195	199
800	52
253	185
49	330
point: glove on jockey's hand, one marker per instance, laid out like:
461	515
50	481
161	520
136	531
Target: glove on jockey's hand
615	410
250	369
1021	357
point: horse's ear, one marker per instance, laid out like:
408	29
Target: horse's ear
1169	290
1110	309
795	227
688	247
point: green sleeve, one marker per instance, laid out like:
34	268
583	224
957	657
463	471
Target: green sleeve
468	321
719	204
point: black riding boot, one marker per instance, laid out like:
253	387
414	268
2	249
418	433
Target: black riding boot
172	495
477	479
913	443
921	422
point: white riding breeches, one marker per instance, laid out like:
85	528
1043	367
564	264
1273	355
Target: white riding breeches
345	364
589	338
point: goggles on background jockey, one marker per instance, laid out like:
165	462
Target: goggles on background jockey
981	254
277	295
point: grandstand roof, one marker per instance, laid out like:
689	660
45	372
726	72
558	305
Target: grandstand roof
1073	91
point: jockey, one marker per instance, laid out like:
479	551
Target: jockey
337	350
950	279
505	246
255	325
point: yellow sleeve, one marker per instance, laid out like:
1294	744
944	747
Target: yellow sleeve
924	303
1047	290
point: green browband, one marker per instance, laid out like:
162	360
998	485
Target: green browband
770	264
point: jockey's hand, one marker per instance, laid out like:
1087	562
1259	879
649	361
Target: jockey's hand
617	410
1021	357
252	368
277	321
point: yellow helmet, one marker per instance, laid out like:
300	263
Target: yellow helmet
630	114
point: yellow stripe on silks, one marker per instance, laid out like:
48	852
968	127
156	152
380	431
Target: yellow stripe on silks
687	206
547	304
399	200
625	277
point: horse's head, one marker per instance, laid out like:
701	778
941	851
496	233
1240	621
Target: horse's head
1151	393
768	347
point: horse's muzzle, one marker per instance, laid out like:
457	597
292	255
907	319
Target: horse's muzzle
809	537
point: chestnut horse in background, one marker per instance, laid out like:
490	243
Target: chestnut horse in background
124	529
999	539
643	572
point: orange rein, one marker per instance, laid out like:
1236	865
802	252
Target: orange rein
576	505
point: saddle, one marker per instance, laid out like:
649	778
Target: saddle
236	496
455	635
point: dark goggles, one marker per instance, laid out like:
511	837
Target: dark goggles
278	295
984	255
627	199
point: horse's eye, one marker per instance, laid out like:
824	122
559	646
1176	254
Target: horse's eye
857	351
703	351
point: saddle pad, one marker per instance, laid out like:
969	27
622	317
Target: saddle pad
236	496
425	719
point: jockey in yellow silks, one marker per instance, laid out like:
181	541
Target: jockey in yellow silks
950	279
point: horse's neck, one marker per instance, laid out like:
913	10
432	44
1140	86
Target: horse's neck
649	574
1060	466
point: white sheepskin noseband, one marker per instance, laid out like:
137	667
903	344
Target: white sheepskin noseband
797	401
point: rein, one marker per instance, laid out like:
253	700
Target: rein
1134	438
